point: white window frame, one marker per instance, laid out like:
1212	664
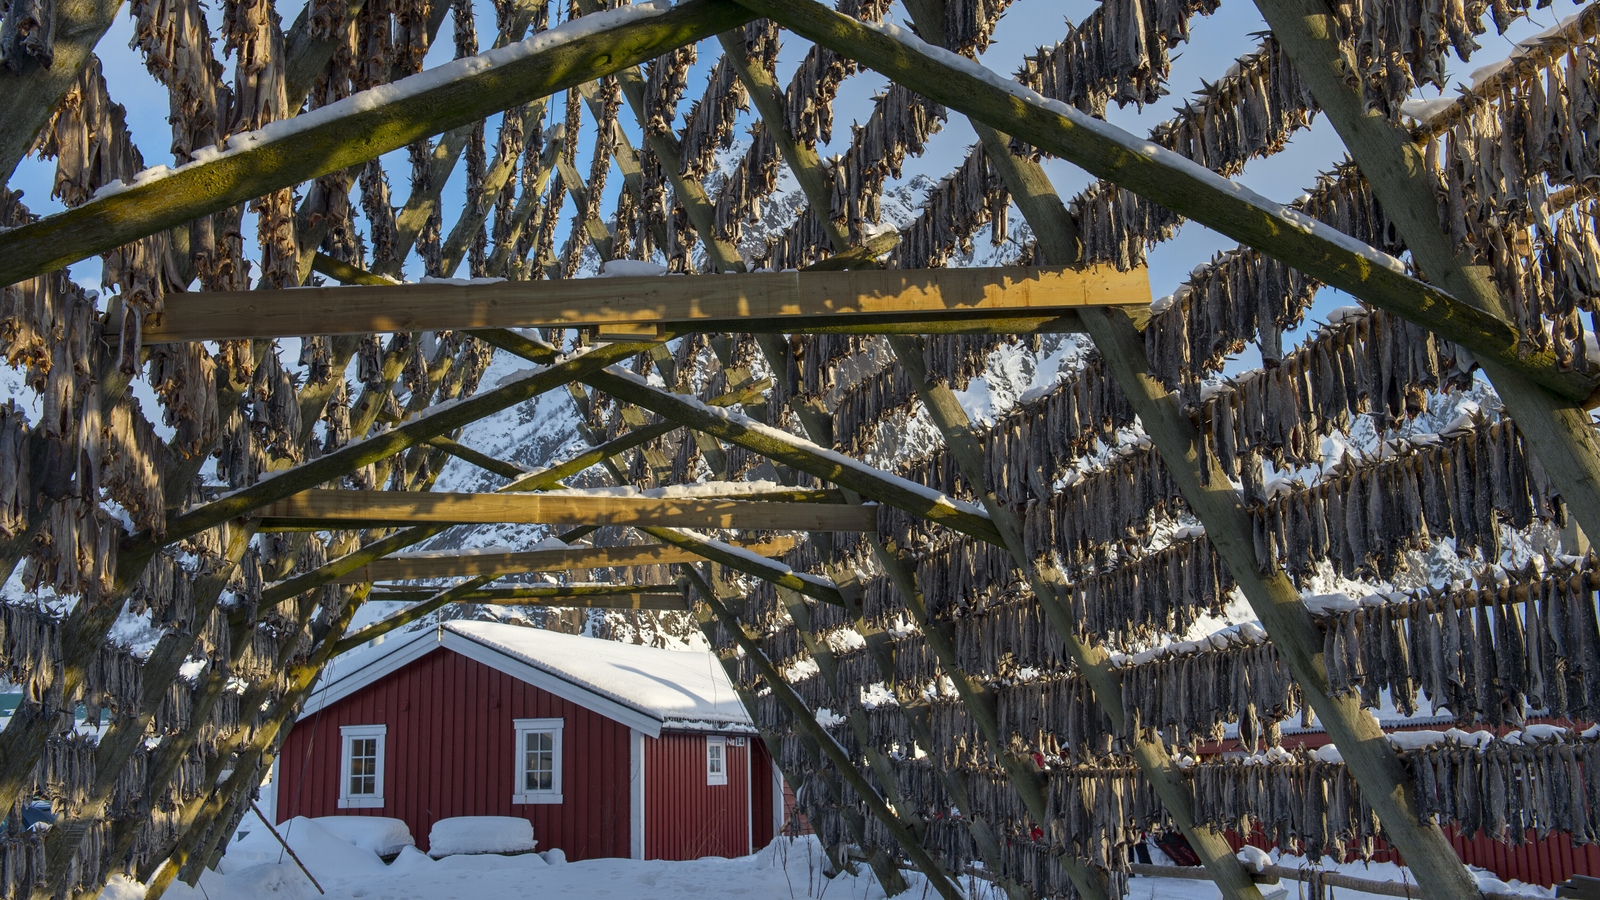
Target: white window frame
525	727
348	733
721	743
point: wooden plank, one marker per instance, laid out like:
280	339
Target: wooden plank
522	562
836	297
616	598
414	507
481	460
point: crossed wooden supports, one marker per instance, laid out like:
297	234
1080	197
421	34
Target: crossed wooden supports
1460	311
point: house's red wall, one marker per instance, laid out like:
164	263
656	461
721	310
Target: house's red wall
684	817
450	752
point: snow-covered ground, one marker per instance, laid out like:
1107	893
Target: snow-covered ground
347	868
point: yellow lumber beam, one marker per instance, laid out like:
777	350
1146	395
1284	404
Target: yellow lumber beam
619	597
521	562
559	508
817	298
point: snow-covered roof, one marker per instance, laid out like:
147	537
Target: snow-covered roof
645	688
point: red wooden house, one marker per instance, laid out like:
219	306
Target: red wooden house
609	749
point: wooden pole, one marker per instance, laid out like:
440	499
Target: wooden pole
804	799
472	219
1092	661
481	460
742	561
802	160
542	480
500	258
285	844
127	729
28	97
1151	755
1024	776
590	596
1182	186
691	194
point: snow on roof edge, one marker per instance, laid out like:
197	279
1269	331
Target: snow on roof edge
696	701
731	714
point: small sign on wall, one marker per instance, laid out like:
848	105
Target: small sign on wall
735	742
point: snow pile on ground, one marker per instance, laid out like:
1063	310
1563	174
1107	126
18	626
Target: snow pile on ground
381	835
480	834
320	849
788	869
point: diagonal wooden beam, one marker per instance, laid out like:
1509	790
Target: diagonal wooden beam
1173	181
28	97
364	126
528	204
1218	506
481	460
788	300
740	559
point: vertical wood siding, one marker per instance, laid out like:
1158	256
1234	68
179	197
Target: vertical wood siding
685	818
450	752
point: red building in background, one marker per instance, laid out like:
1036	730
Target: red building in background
609	749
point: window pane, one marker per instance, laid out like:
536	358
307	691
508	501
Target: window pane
539	761
364	766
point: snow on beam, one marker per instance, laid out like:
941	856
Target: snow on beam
462	565
339	508
1174	181
361	127
782	300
